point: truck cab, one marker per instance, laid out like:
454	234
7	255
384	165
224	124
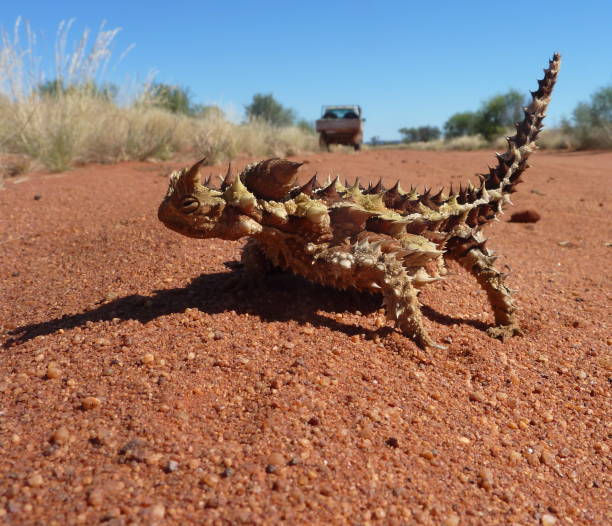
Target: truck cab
340	124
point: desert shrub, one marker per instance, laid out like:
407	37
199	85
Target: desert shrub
216	139
175	99
266	108
420	134
591	125
75	117
13	165
465	142
460	124
209	111
49	120
61	132
498	113
143	134
306	126
259	137
57	88
292	140
46	129
494	116
555	139
220	140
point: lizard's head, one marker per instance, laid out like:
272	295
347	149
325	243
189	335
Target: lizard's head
196	210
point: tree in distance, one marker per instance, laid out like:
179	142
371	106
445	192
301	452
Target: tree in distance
459	124
494	116
265	107
305	126
209	112
592	121
56	88
499	113
420	134
175	99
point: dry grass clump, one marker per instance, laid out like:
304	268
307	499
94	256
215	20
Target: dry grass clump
13	165
260	138
464	143
213	137
592	137
549	139
556	139
219	140
76	128
73	121
467	142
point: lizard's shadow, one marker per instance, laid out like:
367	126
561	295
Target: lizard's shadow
283	297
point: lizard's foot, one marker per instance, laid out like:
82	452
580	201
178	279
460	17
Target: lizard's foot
417	333
243	281
402	306
502	332
424	341
254	268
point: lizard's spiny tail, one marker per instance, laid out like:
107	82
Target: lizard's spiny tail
513	162
478	206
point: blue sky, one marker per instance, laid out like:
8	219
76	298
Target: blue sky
406	63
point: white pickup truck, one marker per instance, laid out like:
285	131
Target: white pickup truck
340	125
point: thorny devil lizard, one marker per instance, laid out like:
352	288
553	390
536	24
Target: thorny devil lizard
373	239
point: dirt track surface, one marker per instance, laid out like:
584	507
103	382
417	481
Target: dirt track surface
135	390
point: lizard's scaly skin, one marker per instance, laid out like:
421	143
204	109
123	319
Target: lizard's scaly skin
374	239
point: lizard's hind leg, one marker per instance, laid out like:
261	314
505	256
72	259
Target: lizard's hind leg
479	262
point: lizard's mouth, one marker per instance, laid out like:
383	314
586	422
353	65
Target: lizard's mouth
198	229
203	229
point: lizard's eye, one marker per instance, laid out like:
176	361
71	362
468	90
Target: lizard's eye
189	205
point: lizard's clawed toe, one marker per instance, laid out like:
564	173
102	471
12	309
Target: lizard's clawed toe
502	332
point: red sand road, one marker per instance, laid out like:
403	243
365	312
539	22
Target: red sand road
135	390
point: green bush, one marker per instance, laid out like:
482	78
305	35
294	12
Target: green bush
57	88
209	112
306	126
460	124
499	113
76	118
492	119
592	121
266	108
174	99
420	134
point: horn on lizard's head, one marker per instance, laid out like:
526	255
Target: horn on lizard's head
192	176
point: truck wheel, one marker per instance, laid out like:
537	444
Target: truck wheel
357	146
323	142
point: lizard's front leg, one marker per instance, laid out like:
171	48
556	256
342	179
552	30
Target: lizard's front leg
254	261
255	266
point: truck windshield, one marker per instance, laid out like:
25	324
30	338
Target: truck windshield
340	113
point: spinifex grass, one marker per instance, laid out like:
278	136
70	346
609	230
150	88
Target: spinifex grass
75	117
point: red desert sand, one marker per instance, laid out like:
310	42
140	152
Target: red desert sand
136	388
